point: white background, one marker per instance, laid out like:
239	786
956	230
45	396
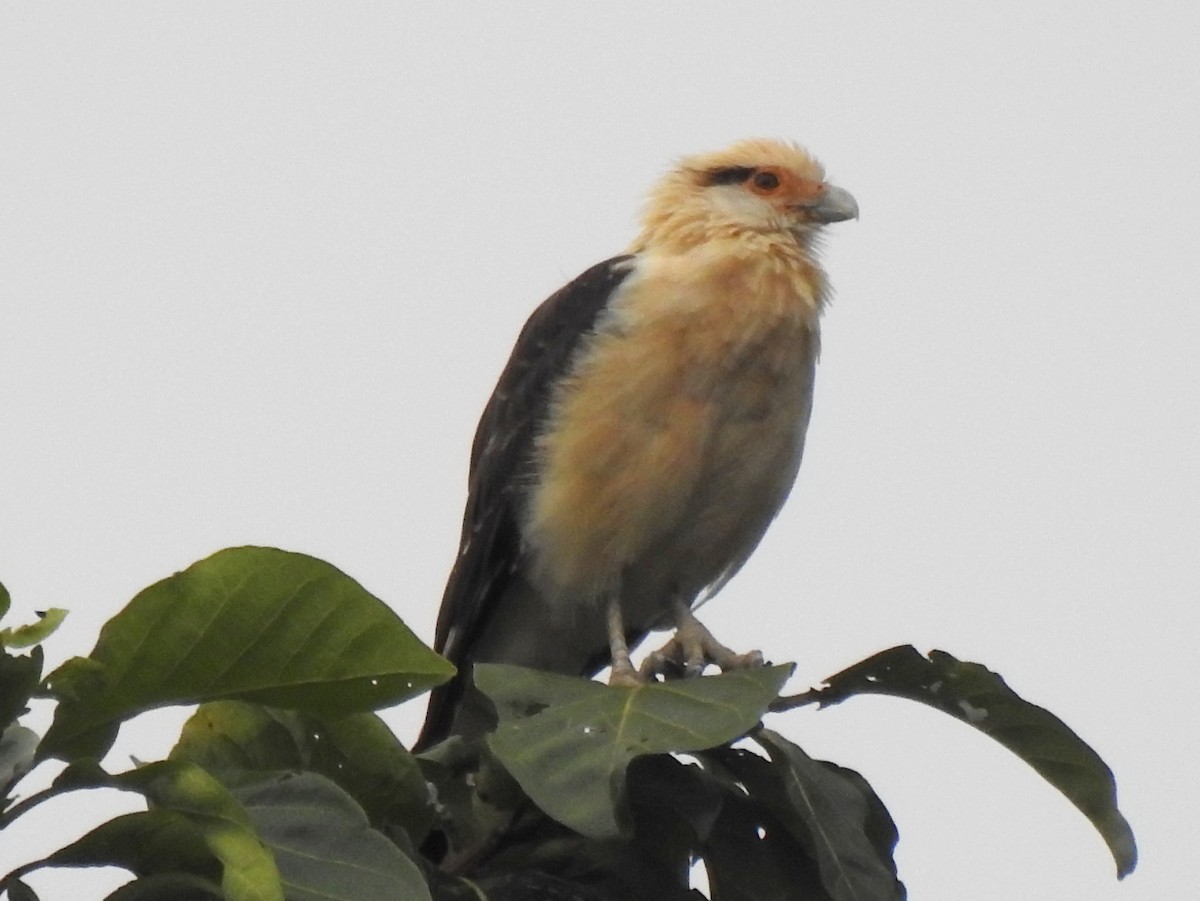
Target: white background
260	265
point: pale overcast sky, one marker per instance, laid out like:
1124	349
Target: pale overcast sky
262	262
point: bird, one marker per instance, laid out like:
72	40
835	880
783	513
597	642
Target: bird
644	433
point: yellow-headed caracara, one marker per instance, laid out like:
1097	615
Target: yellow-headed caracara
645	432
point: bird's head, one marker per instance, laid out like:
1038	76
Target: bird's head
763	187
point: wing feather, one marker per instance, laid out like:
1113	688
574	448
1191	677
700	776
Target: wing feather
502	470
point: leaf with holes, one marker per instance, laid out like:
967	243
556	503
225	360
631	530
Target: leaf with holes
832	813
259	624
750	856
974	694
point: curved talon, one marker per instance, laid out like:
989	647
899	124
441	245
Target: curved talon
748	660
701	648
667	662
691	649
685	655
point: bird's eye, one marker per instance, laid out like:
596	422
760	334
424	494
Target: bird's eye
766	180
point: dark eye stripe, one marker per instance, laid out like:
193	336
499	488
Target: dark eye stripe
731	175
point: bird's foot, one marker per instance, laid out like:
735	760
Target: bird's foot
667	661
691	649
625	675
701	648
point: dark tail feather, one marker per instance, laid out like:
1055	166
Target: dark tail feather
439	716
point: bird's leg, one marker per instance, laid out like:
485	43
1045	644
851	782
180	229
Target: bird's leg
623	672
696	646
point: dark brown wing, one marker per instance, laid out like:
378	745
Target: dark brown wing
502	469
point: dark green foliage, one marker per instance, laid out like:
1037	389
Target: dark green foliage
570	756
323	844
285	785
253	623
977	696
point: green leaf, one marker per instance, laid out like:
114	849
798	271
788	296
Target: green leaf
249	869
324	846
182	790
568	741
533	885
467	819
18	746
829	814
974	694
19	677
674	807
34	633
168	887
19	891
358	752
663	789
90	744
147	842
239	736
249	872
259	624
82	774
751	856
77	775
5	600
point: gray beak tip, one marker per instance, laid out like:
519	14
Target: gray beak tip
837	205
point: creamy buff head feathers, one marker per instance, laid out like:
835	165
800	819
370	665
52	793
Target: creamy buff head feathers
756	186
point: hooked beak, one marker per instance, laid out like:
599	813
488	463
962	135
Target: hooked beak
835	205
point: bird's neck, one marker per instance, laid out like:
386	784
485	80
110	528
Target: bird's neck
761	264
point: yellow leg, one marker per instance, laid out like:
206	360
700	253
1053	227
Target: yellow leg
623	672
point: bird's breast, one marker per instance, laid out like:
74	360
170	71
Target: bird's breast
677	434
